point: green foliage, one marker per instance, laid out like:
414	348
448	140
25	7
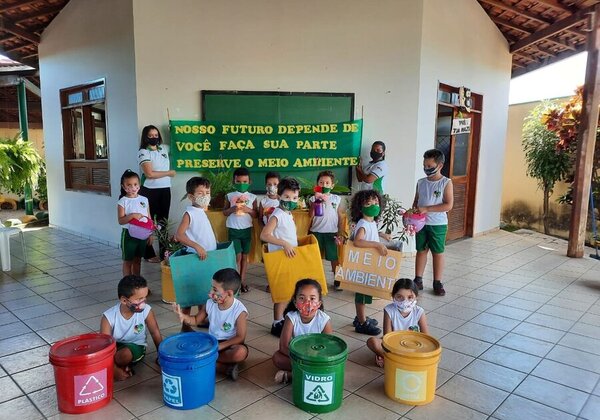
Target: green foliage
166	240
545	162
20	164
391	217
221	182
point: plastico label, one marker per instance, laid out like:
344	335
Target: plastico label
90	388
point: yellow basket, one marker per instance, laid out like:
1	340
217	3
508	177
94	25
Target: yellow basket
283	273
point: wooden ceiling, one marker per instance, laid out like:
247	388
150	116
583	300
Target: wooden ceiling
539	32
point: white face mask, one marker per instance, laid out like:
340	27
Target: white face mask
272	189
202	201
405	306
131	190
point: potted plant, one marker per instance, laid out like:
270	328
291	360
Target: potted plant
221	183
20	164
391	223
42	190
170	245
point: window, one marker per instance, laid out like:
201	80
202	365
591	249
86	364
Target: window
84	138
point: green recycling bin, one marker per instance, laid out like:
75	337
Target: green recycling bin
318	362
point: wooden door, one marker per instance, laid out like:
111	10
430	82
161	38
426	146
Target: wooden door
458	150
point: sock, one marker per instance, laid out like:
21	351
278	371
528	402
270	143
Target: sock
277	321
418	278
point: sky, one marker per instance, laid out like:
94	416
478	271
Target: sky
553	81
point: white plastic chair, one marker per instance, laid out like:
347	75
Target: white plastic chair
5	234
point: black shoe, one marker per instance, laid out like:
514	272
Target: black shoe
367	328
419	283
438	288
371	321
245	288
276	328
337	287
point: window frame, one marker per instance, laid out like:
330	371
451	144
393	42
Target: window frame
88	174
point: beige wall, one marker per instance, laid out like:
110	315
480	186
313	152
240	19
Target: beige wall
36	135
518	187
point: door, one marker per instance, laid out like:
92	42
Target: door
458	150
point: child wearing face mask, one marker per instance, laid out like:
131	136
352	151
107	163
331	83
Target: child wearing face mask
240	208
128	322
195	230
131	206
303	315
402	314
280	233
271	200
228	320
365	209
434	197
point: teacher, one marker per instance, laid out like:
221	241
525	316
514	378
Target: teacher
371	175
153	158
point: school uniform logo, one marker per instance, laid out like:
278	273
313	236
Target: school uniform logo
437	194
142	204
226	326
138	328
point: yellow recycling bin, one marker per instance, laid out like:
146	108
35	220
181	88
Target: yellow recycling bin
283	272
411	363
166	280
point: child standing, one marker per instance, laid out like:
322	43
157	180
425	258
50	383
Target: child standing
128	322
434	197
364	211
280	233
132	206
271	200
304	315
328	224
240	209
195	231
228	320
402	314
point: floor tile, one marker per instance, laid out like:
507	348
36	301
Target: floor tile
54	334
573	357
473	394
10	390
374	392
550	321
539	332
552	394
481	332
357	408
526	344
36	311
25	360
454	361
496	321
263	375
35	379
143	397
580	342
13	330
20	408
233	396
165	413
591	410
113	411
20	343
494	375
566	375
464	344
510	358
7	318
47	321
45	401
356	376
516	407
271	404
443	321
509	312
441	408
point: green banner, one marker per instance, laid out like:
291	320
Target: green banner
202	146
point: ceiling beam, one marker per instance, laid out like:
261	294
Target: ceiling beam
7	26
555	4
513	25
551	30
534	66
517	10
17	5
40	13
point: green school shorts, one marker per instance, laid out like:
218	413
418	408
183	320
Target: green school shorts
241	238
432	237
360	298
327	245
131	247
138	352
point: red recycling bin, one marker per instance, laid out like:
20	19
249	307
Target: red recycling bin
83	370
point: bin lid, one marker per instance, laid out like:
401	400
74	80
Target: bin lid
82	349
318	348
411	344
188	347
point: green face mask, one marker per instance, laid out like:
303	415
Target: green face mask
371	211
288	205
241	187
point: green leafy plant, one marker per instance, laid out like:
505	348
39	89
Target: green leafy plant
545	162
165	239
221	183
391	218
20	164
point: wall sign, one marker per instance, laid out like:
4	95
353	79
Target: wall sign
461	126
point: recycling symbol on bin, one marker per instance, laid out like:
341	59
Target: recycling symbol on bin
318	395
170	387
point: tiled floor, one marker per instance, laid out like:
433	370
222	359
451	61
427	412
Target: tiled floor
520	327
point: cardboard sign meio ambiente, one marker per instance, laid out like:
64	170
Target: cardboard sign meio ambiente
366	271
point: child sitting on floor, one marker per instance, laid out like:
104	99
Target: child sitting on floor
402	314
304	315
127	322
227	317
